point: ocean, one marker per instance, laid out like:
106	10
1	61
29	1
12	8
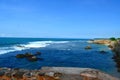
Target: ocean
56	52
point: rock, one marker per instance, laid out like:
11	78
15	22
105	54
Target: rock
38	53
27	75
2	73
50	74
118	69
28	55
110	46
33	58
57	75
21	46
102	51
40	59
102	41
20	56
18	75
41	74
88	47
8	74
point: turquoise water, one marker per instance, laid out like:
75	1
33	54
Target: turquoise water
56	52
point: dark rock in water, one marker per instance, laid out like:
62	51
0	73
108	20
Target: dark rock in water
102	51
24	55
20	46
28	55
114	57
110	46
88	47
40	59
38	53
33	58
118	69
20	56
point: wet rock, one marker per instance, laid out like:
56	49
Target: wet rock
88	47
102	51
28	55
20	56
21	46
118	69
110	46
40	59
38	53
33	58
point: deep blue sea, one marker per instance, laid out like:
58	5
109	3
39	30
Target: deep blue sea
56	52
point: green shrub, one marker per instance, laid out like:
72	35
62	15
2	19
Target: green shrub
118	38
113	39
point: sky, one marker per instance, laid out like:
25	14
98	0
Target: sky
60	18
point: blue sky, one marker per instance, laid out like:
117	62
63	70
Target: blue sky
60	18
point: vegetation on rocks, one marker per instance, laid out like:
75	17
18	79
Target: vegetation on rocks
113	39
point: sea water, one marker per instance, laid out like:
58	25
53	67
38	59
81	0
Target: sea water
56	52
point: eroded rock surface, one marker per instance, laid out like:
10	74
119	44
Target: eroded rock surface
54	73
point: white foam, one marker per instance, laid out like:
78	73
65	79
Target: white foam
36	44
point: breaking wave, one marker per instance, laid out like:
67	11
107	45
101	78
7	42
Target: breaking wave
36	44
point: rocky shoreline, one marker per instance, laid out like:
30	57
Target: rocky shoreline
54	73
62	73
114	45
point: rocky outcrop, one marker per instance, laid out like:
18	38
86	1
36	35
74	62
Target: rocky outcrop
54	73
105	41
116	56
30	56
114	46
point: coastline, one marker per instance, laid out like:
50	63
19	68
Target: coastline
68	69
55	73
113	45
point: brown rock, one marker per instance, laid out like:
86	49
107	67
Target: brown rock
88	47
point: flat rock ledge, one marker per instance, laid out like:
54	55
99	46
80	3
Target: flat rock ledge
54	73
